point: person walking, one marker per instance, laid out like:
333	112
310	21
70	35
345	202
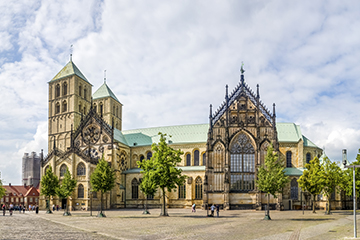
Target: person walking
193	208
57	207
20	208
217	210
37	209
24	208
4	209
212	210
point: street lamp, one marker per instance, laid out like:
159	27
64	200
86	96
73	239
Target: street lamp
344	158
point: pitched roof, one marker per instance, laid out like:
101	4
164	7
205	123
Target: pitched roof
103	92
196	133
288	132
69	69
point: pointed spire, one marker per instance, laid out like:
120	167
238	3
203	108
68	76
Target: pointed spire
42	155
210	115
227	92
242	73
71	51
274	114
258	92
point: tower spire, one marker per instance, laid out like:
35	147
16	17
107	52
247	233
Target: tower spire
71	51
242	73
257	91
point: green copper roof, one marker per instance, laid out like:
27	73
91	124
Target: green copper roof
294	171
184	169
196	133
69	69
118	136
288	132
308	143
103	92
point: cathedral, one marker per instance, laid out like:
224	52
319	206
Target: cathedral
220	158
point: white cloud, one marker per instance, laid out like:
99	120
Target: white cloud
167	61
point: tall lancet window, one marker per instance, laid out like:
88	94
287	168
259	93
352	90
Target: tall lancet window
242	166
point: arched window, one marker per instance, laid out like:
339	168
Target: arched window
288	159
80	191
64	89
294	189
95	107
101	109
196	158
63	170
57	90
188	159
148	155
198	188
84	93
84	109
204	159
81	170
182	191
80	90
64	106
134	189
117	111
57	108
141	158
308	158
242	164
80	107
114	110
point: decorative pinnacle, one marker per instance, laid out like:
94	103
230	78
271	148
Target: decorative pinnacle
274	114
71	51
242	68
210	111
258	92
226	94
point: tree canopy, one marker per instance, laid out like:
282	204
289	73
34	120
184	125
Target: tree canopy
312	180
2	190
347	183
160	171
271	177
102	179
49	183
66	188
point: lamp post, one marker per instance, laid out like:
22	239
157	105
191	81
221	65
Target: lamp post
344	158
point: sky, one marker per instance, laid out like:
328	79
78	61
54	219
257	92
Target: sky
167	61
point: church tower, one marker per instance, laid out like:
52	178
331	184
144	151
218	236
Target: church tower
108	106
69	100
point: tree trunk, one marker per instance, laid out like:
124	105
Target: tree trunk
101	201
329	207
164	213
314	203
268	205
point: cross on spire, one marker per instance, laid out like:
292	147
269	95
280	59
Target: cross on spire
71	51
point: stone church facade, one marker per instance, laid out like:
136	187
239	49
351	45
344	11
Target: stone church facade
220	158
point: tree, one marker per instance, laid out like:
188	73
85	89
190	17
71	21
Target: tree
271	177
65	189
2	190
161	169
147	185
312	180
103	180
332	178
49	184
347	183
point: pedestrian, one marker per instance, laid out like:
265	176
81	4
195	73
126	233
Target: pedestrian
53	207
37	209
29	207
217	210
3	208
11	208
212	210
57	207
193	208
24	208
20	208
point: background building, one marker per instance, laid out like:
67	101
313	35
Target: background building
31	169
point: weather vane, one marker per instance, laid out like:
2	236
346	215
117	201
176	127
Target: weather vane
71	51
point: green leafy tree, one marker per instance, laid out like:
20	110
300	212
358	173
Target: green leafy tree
49	184
65	189
312	180
147	185
347	183
161	171
332	178
271	177
2	190
103	180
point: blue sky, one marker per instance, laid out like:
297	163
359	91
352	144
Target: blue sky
167	61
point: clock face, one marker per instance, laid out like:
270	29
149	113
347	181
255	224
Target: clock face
93	153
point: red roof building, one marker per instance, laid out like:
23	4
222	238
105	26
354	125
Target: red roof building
20	195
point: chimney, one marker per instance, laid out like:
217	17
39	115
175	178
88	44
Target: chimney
9	184
24	184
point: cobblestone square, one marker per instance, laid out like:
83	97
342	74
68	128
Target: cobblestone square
182	224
